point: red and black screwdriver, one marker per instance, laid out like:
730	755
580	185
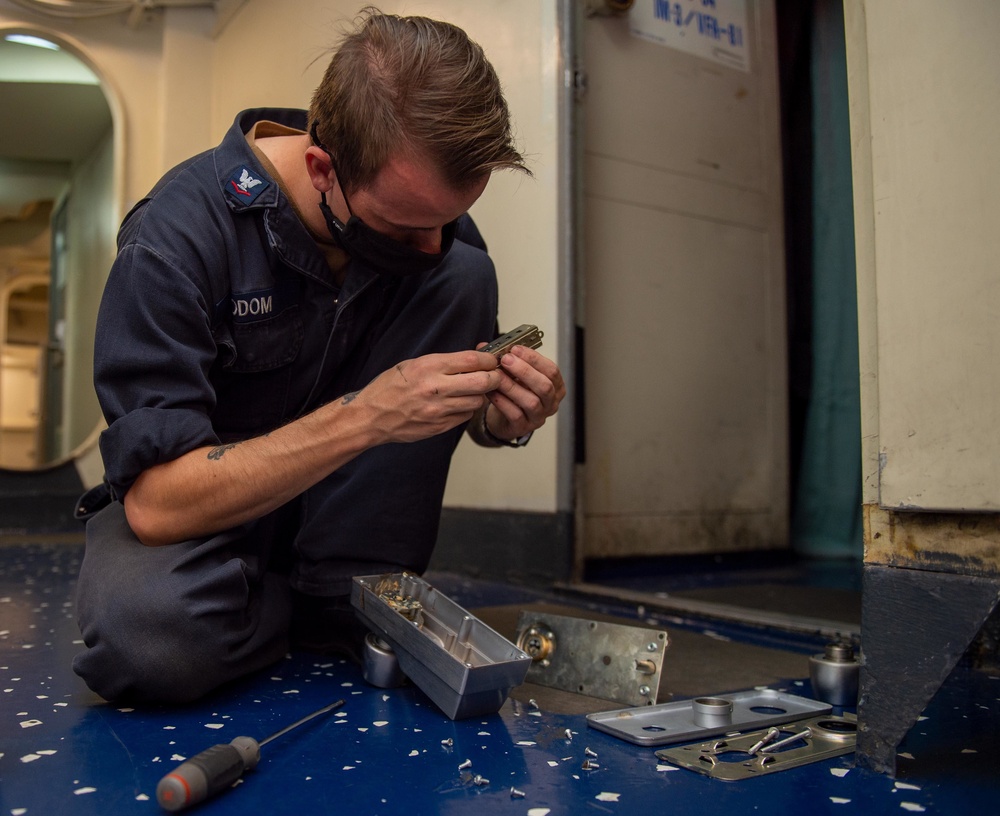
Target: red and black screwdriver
218	767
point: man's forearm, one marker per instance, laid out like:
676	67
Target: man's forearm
211	489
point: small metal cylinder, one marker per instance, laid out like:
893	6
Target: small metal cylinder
710	712
381	668
834	675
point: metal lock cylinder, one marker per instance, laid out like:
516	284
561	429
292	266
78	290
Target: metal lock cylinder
711	712
381	667
834	675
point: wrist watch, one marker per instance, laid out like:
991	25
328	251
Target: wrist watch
520	442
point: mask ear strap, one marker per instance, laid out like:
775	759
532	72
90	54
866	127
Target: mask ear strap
314	135
331	220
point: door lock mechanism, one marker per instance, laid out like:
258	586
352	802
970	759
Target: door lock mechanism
611	661
538	642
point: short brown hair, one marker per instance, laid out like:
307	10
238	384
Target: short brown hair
412	83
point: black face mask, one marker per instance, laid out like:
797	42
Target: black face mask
378	251
381	253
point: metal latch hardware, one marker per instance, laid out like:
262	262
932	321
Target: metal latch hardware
741	756
611	661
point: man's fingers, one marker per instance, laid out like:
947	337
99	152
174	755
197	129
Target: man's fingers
537	375
450	375
461	362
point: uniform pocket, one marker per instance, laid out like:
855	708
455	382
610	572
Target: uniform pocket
253	373
262	345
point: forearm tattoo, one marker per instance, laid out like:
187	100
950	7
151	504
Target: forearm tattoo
349	398
218	452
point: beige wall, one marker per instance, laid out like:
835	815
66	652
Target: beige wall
925	113
179	89
29	181
924	118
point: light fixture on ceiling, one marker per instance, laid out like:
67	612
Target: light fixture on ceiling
28	39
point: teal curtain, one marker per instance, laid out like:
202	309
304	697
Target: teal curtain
826	516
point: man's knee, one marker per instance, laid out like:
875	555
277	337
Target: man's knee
156	651
172	623
141	645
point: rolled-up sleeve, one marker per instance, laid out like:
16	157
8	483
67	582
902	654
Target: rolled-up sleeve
153	353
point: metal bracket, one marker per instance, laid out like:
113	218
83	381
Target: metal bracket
612	661
744	755
705	716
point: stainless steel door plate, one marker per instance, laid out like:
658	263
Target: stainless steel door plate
703	717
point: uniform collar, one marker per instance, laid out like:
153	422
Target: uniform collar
286	232
244	182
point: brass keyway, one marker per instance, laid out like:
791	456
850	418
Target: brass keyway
538	642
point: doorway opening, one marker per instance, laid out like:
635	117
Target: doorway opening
737	549
61	159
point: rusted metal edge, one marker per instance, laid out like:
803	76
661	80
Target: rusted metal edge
960	543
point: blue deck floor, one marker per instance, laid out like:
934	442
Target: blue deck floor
64	751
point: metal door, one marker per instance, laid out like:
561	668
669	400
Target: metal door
682	280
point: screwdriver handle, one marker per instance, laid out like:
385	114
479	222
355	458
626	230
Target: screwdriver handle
207	773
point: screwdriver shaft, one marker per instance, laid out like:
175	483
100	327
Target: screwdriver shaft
303	721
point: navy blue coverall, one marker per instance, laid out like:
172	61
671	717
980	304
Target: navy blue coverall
221	320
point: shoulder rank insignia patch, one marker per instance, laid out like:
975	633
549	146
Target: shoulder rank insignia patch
244	187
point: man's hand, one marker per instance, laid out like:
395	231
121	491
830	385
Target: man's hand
428	395
531	388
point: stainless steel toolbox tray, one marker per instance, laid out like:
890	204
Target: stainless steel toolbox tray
464	666
678	721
